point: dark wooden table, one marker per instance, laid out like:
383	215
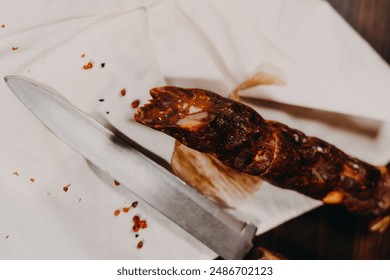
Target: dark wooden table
330	232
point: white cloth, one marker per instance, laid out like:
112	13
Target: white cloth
208	44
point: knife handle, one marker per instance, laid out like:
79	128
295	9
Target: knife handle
260	253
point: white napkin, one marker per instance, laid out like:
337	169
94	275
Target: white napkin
141	44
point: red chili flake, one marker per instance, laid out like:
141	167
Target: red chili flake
83	55
135	228
126	209
136	219
15	48
143	224
16	173
140	245
135	103
134	204
88	66
139	224
32	180
116	183
66	188
123	91
117	212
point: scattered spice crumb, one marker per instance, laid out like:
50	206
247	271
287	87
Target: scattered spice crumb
48	193
134	204
116	183
88	66
7	236
16	173
135	227
15	48
138	223
143	224
117	212
107	113
79	199
32	180
66	188
136	236
140	245
3	26
103	64
123	91
135	103
101	100
83	55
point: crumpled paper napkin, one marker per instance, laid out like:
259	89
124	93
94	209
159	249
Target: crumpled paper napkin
336	90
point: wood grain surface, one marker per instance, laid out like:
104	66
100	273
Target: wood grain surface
331	232
371	19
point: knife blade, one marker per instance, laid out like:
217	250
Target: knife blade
196	214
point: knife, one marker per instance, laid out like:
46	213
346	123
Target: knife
196	214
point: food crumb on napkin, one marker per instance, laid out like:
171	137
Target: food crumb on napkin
88	65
